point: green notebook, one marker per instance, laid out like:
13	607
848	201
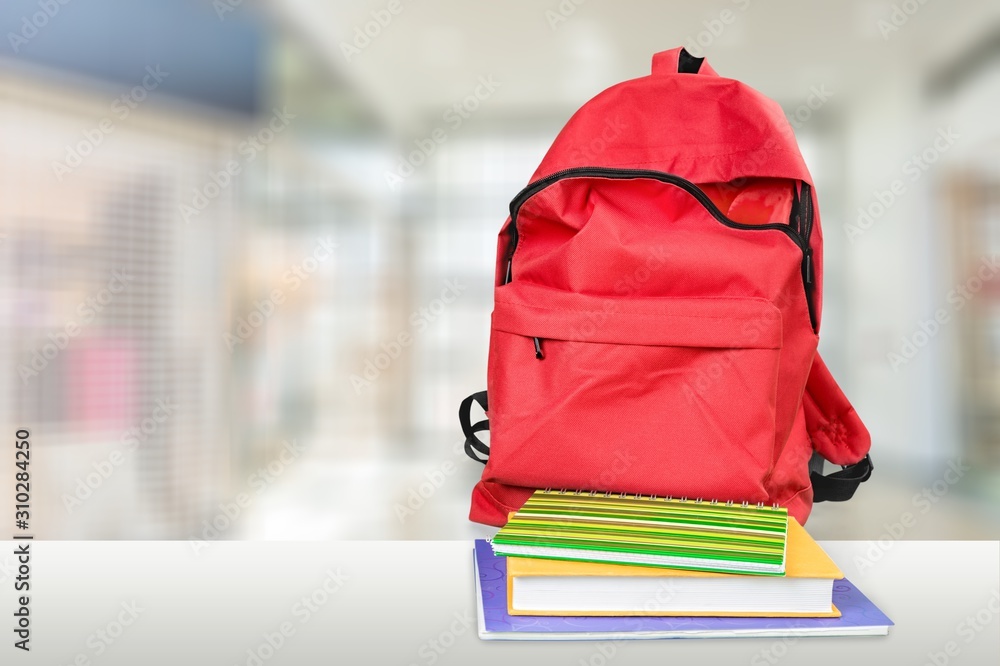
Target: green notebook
648	531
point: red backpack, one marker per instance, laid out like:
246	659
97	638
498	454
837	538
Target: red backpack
656	309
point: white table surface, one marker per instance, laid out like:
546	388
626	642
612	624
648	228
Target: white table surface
414	603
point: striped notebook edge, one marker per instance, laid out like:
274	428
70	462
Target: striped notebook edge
647	530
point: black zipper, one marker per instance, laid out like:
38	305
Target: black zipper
801	240
808	270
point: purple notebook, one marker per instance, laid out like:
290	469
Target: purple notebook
859	616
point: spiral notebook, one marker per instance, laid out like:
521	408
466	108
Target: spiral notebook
651	531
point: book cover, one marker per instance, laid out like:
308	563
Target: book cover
859	616
804	559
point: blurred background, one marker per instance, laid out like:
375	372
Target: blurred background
247	248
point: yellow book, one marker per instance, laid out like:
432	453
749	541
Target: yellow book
559	587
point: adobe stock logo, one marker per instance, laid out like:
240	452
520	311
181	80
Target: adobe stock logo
363	35
914	168
420	321
454	117
131	440
922	503
419	494
957	298
33	23
249	149
121	108
87	312
561	12
613	129
266	307
714	28
898	17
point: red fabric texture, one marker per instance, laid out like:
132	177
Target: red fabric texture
677	350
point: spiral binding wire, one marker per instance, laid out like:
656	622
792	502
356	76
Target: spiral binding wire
666	498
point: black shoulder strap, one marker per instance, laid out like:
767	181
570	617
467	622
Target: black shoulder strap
687	63
839	486
473	444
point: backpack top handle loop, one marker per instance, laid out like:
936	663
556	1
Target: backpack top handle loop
679	61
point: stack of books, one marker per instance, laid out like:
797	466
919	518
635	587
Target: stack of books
579	565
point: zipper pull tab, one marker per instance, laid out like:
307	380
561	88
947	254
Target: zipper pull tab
538	349
807	266
506	279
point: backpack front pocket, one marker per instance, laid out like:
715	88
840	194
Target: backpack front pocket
662	396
